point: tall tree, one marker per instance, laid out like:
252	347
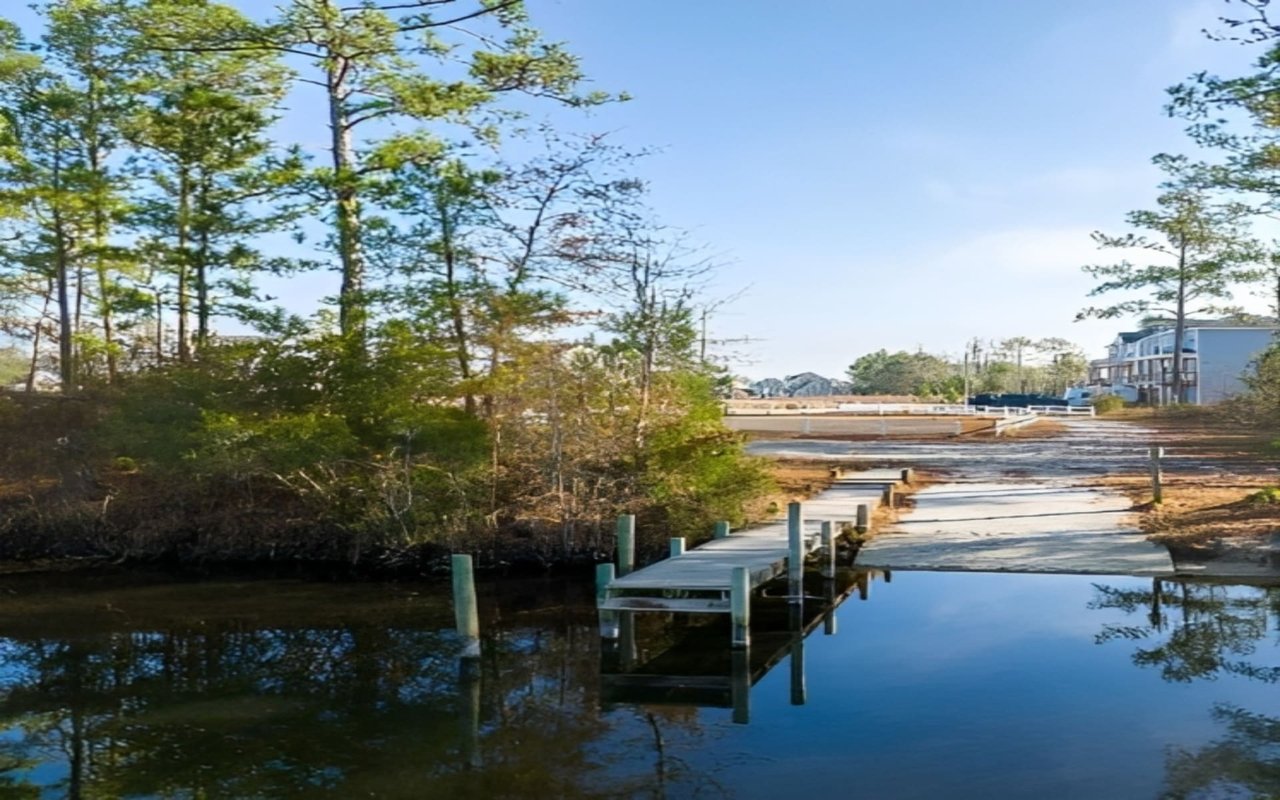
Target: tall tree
201	125
82	42
1201	247
368	58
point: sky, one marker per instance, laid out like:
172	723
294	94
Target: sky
882	174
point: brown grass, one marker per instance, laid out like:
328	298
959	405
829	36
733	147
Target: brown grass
1198	510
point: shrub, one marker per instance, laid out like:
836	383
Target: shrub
1269	496
1108	403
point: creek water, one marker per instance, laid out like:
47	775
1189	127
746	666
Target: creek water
937	684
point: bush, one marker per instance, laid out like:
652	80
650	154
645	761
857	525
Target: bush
1108	403
1269	496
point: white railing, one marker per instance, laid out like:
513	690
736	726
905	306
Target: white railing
925	409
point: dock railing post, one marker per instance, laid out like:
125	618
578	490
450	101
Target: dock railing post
795	551
863	521
626	544
677	546
722	529
907	475
1157	488
828	549
740	607
608	619
888	497
465	614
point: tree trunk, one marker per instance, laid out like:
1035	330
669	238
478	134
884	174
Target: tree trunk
351	310
203	311
456	312
1179	324
61	245
184	300
97	170
35	338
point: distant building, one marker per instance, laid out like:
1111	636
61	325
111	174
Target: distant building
805	384
1214	357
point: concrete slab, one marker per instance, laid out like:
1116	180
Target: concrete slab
1017	527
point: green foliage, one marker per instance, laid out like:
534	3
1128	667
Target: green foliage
1269	496
13	366
899	373
1107	403
697	471
1261	401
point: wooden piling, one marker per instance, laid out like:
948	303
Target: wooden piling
608	619
864	586
1157	488
907	475
740	607
722	529
828	549
888	497
863	522
795	552
677	546
626	544
465	614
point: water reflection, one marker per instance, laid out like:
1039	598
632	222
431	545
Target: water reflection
1199	632
939	685
286	701
1195	631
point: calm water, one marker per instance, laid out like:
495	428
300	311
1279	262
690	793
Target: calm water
956	685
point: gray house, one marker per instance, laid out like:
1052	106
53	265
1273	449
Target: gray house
1215	355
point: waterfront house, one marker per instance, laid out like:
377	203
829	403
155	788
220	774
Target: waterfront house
1215	355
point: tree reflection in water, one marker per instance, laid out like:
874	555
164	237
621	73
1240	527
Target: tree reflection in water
1200	632
361	703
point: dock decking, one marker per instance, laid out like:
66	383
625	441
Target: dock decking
698	581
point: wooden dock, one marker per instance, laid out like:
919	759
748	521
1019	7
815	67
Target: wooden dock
700	580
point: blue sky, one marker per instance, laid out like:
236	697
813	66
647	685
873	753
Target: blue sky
885	174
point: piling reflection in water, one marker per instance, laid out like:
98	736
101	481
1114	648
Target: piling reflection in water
309	690
692	667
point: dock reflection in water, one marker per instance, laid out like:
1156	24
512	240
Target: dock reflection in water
691	666
942	684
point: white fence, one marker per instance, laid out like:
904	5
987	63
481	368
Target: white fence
923	409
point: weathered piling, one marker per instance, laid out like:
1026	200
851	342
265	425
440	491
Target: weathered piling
608	619
907	475
863	521
1157	488
795	551
465	614
828	549
626	544
722	529
677	546
740	607
888	498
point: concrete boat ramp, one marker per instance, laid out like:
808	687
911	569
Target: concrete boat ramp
1017	527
